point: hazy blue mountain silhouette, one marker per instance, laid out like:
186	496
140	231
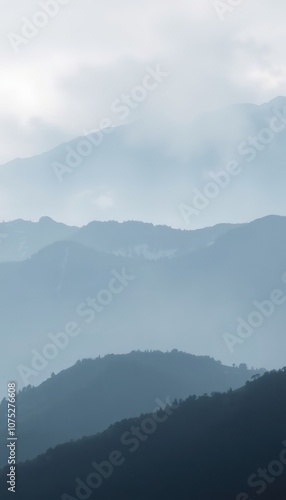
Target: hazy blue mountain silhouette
162	307
112	388
149	175
210	447
138	239
21	239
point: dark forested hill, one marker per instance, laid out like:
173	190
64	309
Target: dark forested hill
95	393
190	301
224	447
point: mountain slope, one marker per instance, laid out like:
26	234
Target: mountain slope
112	388
215	448
160	305
133	239
149	176
20	239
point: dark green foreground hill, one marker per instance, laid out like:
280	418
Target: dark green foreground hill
208	448
95	393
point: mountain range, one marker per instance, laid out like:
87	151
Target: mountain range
154	303
220	447
110	174
112	388
156	422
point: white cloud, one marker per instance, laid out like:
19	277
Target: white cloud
91	51
104	201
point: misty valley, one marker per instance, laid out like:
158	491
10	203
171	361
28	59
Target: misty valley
142	250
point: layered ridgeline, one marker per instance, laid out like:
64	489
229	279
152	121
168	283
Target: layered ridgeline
96	393
69	302
221	447
21	239
138	169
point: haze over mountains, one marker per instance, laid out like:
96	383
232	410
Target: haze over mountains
74	292
112	388
150	176
142	250
21	239
154	304
222	447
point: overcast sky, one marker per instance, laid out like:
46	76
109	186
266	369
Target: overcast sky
62	81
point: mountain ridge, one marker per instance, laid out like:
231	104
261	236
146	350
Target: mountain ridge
192	453
114	387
